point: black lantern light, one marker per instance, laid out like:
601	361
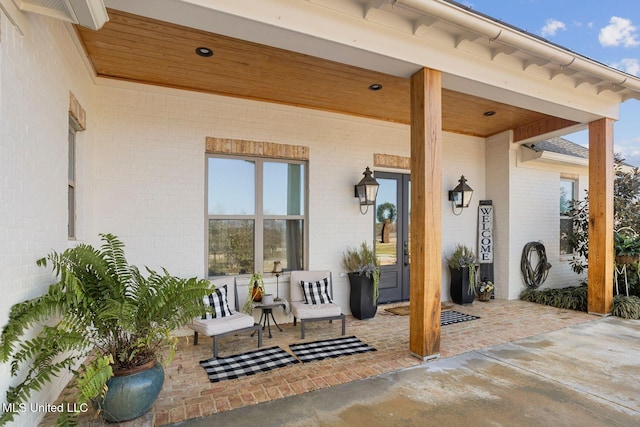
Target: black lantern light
367	190
460	196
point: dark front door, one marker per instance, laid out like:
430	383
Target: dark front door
392	235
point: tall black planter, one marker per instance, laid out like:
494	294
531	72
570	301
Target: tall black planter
361	298
460	286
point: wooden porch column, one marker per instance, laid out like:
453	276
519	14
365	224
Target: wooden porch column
426	213
601	176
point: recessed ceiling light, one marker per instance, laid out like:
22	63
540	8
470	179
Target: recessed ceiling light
375	86
204	51
489	113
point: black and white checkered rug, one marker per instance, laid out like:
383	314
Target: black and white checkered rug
318	350
240	365
450	317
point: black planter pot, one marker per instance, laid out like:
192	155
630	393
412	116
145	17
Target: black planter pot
361	297
459	287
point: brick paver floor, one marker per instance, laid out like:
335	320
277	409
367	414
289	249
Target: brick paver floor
187	392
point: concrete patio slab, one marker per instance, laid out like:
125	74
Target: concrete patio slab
582	375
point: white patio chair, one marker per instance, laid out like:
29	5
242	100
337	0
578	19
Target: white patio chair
228	322
312	311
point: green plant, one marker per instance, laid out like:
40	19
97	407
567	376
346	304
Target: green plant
626	242
575	298
570	298
463	257
363	261
256	282
103	308
626	215
626	307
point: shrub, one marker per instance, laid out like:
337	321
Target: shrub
571	298
575	298
626	307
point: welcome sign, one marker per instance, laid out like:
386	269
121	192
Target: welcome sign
485	232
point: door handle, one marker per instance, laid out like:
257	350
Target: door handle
406	253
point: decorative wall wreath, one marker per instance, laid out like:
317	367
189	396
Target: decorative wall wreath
387	211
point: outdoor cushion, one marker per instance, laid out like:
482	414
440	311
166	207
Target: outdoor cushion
222	325
316	292
313	311
218	303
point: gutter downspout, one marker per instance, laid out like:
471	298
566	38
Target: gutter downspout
494	31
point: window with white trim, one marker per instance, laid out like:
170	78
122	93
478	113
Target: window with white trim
256	214
567	200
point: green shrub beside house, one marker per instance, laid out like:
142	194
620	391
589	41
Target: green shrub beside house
626	301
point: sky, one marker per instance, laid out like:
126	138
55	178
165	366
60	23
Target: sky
606	31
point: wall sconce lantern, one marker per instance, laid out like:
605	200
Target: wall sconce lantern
367	190
460	196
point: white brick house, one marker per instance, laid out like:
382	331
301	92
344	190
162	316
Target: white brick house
141	161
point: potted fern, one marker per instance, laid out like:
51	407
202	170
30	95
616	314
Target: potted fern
463	265
364	277
105	315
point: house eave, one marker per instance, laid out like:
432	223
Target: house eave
549	157
498	33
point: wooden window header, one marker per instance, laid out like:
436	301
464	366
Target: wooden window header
256	149
77	112
391	161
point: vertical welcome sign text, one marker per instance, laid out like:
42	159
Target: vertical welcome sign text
485	233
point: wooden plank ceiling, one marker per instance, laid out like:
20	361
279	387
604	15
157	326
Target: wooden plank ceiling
144	50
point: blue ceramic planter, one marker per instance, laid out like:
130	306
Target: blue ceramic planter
131	396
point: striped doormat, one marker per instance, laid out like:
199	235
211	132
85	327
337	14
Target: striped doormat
240	365
447	316
452	316
324	349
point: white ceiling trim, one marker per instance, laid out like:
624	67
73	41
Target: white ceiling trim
88	13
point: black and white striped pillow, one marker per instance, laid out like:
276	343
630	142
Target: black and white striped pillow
218	303
316	292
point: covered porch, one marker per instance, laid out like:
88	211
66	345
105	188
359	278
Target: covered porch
429	65
425	88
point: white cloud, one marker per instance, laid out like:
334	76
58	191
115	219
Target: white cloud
629	151
628	65
620	31
551	28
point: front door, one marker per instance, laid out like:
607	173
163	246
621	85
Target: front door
392	235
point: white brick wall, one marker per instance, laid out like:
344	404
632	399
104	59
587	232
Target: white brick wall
536	191
526	206
150	152
497	159
37	71
461	156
